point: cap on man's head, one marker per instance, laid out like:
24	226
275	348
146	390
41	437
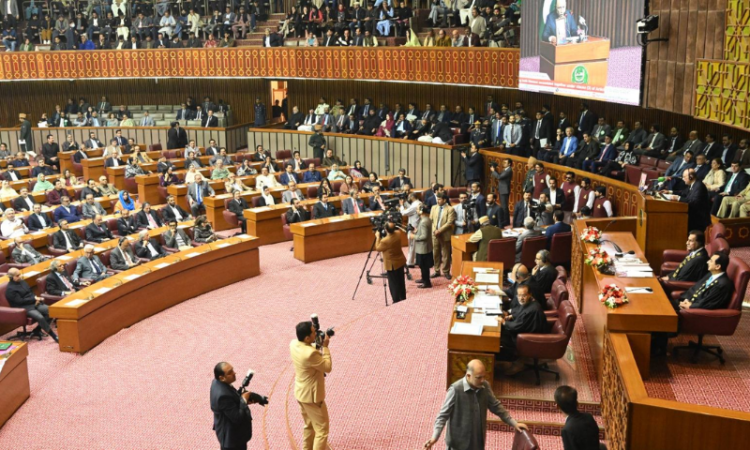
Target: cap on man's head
484	220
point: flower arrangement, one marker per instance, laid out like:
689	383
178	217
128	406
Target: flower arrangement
598	258
591	234
613	296
462	287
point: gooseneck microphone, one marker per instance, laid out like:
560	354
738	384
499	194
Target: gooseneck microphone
614	244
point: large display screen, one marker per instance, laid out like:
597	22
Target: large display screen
582	48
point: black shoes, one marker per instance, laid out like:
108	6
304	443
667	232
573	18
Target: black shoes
424	286
435	275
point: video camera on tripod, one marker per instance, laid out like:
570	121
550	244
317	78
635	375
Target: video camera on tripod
254	398
391	214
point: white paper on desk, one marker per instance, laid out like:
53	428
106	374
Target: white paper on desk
182	227
261	209
75	303
639	290
132	277
242	236
225	244
486	287
467	329
161	266
190	255
2	363
481	319
103	290
31	273
308	224
99	249
510	233
636	274
64	257
486	301
38	232
493	312
493	278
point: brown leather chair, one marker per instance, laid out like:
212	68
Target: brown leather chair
530	248
633	174
551	345
720	322
255	201
648	162
312	192
717	230
229	216
663	165
560	249
283	154
15	317
504	251
562	274
5	266
524	440
154	147
49	299
557	295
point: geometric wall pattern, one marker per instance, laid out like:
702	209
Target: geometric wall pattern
737	34
471	66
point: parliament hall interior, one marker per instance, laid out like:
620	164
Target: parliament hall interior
374	224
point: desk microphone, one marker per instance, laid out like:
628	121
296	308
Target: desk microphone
660	179
614	244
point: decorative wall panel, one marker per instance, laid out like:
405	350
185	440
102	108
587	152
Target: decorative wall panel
478	67
722	90
737	34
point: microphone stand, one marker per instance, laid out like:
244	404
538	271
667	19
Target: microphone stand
614	244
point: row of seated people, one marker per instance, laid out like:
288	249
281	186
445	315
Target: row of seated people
65	278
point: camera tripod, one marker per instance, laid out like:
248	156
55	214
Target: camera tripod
366	271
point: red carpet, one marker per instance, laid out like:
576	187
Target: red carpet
147	387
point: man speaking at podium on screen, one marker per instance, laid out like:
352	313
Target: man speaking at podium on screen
560	25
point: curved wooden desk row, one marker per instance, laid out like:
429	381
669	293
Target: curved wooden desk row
233	137
489	67
424	162
87	317
660	224
14	379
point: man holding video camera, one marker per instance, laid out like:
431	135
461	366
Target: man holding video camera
232	420
310	366
393	260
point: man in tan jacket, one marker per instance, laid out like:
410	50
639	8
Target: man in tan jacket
310	367
394	260
443	216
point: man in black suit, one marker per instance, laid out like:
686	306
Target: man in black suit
377	202
586	120
147	218
735	184
50	150
693	267
295	119
555	195
558	227
713	291
474	165
65	238
504	178
399	182
148	248
59	282
126	224
522	210
38	220
580	432
711	149
728	149
494	212
184	113
237	205
323	209
695	195
543	274
19	295
297	213
176	137
587	151
97	230
329	40
173	211
209	120
233	422
563	124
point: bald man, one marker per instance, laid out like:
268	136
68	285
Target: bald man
466	430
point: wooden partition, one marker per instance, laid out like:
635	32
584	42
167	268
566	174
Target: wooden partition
635	421
233	137
424	162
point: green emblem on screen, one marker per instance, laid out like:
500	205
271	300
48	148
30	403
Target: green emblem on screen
580	75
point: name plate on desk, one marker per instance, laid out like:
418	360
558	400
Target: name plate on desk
190	255
76	303
103	290
132	277
308	225
225	244
161	266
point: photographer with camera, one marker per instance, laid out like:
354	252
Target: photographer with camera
394	261
310	366
474	164
233	422
410	208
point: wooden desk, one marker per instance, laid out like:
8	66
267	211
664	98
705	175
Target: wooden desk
332	237
92	168
461	251
98	311
645	314
464	348
14	380
662	224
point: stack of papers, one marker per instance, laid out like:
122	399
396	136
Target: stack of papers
488	278
483	320
485	301
469	329
510	233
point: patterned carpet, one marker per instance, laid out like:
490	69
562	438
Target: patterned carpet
147	387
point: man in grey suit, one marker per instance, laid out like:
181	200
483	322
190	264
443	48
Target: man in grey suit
91	208
197	192
693	144
122	258
354	204
89	267
503	184
653	143
601	129
422	238
291	193
26	254
530	231
147	120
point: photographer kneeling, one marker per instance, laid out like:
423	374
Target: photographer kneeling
393	260
233	422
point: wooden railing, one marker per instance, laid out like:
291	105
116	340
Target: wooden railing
424	162
490	67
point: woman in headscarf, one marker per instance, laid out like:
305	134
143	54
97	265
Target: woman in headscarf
42	185
168	178
358	171
126	202
7	191
411	39
386	126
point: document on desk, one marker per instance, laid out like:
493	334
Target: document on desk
307	225
510	233
639	290
484	320
635	274
485	270
103	290
132	277
488	278
469	329
486	301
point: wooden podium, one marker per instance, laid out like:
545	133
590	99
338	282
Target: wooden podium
584	63
660	225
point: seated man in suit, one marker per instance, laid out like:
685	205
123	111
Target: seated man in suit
377	202
522	210
528	317
39	220
399	182
354	204
311	175
543	274
530	231
197	191
147	218
24	253
89	267
66	211
323	209
288	176
24	202
558	227
291	193
122	258
581	430
59	282
176	237
734	187
297	213
173	211
148	248
674	171
92	208
65	238
694	266
713	291
97	230
126	224
19	295
237	205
